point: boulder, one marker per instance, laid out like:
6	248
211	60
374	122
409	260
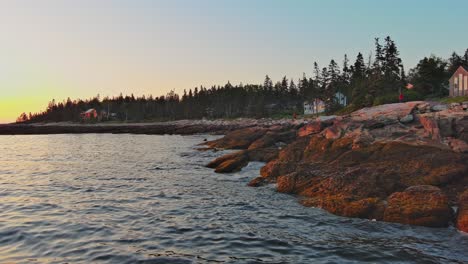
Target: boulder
462	213
422	205
368	208
257	182
238	139
458	145
465	106
326	118
386	113
407	119
333	132
430	126
232	165
230	162
310	128
273	137
439	107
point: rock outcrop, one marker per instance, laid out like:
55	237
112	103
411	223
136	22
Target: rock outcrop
399	163
462	214
423	205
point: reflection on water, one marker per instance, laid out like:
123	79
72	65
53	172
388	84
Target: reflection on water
140	198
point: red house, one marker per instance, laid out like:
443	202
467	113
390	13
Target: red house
458	83
89	114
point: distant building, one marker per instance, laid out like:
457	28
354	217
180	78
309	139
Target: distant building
458	83
314	107
317	106
341	99
89	114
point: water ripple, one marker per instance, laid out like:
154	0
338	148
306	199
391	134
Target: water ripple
148	199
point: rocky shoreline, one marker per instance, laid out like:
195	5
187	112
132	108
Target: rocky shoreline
180	127
404	163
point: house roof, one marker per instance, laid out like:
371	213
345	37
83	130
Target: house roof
90	110
465	68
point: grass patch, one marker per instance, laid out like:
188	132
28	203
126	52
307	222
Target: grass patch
457	99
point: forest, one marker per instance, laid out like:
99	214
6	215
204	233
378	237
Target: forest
377	79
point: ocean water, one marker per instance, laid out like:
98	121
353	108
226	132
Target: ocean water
99	198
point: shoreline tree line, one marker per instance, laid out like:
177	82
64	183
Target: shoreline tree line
378	79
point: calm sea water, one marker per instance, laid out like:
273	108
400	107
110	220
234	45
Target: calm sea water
148	199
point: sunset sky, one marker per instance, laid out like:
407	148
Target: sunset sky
59	49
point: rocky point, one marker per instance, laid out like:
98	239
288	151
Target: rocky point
405	163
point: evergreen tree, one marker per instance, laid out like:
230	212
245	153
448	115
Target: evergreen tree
430	77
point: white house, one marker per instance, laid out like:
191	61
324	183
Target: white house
314	107
317	106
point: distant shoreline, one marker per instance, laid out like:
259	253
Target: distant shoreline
180	127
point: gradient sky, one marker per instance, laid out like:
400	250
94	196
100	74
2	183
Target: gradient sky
59	49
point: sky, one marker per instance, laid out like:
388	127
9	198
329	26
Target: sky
54	49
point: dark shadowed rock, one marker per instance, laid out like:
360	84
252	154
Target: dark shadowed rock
230	162
257	182
238	139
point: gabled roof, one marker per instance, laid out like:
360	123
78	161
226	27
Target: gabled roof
465	68
90	110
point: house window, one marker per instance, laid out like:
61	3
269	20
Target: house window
455	86
460	84
465	85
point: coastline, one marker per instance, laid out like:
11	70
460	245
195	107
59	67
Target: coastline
180	127
404	163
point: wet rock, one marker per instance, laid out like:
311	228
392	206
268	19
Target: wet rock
422	205
462	213
257	182
230	162
368	208
232	165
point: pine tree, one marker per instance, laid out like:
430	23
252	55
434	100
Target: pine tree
268	84
284	86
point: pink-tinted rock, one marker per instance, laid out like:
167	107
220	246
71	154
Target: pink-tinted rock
386	112
458	145
310	128
333	132
430	126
